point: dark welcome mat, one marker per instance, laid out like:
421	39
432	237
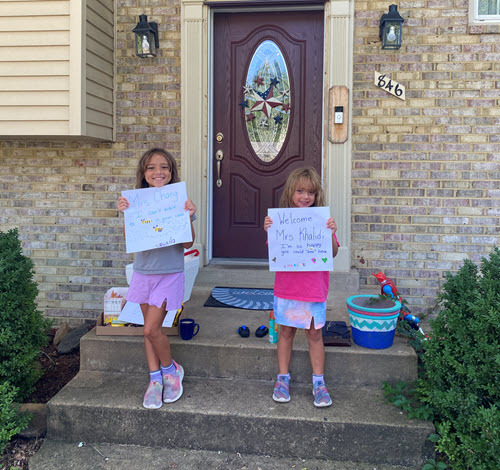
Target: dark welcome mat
336	333
241	297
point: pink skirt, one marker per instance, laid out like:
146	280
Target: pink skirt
154	289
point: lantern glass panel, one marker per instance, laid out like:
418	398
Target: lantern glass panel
145	44
392	35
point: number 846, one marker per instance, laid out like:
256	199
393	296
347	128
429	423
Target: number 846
388	85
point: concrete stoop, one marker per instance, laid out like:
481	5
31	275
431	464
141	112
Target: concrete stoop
236	275
57	455
239	416
226	417
253	358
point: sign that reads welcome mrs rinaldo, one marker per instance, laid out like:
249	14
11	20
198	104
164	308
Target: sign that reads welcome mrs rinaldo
299	239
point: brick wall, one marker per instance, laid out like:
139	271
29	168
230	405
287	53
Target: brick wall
426	171
62	194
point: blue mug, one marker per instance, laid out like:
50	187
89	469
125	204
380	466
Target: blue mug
187	328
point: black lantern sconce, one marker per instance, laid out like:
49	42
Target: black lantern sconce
146	38
391	27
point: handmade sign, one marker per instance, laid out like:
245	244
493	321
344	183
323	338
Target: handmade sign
299	239
132	313
156	217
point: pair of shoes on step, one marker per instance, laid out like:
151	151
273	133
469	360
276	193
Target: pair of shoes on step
260	332
281	392
168	391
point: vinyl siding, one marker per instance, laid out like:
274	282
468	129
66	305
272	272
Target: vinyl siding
46	89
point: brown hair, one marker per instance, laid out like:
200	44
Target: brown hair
306	175
144	161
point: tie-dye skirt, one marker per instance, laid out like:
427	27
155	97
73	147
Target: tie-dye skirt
299	314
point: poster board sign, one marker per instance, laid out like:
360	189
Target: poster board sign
299	239
156	217
132	313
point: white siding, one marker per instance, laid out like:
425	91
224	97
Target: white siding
45	87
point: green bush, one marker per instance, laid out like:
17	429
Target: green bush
461	364
23	330
11	422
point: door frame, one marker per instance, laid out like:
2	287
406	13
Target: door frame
196	108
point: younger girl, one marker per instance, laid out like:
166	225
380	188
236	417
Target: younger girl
158	284
300	297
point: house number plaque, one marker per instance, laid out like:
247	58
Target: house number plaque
385	83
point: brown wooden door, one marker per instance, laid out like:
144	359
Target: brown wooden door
268	92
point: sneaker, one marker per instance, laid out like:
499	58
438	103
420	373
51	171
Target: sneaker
152	398
282	390
172	384
321	395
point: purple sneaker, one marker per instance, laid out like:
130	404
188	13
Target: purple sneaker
152	398
282	390
172	384
321	395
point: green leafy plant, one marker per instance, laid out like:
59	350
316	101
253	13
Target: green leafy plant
433	465
405	397
11	422
23	330
415	338
460	375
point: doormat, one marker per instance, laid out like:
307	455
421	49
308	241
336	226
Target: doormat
336	333
241	297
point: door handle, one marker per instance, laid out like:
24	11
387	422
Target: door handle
219	156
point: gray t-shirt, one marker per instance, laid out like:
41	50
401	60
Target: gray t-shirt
164	260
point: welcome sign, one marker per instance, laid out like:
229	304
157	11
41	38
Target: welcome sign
156	217
299	239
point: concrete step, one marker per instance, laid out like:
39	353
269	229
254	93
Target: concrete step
239	416
234	274
57	455
218	351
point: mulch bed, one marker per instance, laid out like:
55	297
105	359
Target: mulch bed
58	370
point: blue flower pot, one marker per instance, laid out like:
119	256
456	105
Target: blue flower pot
373	323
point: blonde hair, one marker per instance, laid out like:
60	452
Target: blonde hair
308	176
144	161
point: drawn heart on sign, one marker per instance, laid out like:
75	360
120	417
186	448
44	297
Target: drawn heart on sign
313	260
324	260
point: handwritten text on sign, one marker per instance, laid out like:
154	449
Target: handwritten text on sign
156	217
299	239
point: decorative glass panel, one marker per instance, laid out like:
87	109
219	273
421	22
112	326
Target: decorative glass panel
266	101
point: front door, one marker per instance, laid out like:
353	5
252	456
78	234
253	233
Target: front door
267	121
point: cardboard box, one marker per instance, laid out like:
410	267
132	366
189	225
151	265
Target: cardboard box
108	330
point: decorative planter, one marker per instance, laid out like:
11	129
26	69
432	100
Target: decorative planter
373	321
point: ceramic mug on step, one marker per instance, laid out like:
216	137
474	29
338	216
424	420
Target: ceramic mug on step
187	328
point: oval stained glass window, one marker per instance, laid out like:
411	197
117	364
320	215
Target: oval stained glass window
266	95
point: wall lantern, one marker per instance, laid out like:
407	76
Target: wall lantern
391	26
146	38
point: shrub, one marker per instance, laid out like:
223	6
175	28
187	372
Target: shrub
11	422
460	375
23	330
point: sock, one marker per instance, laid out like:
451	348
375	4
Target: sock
168	370
284	375
318	377
155	375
